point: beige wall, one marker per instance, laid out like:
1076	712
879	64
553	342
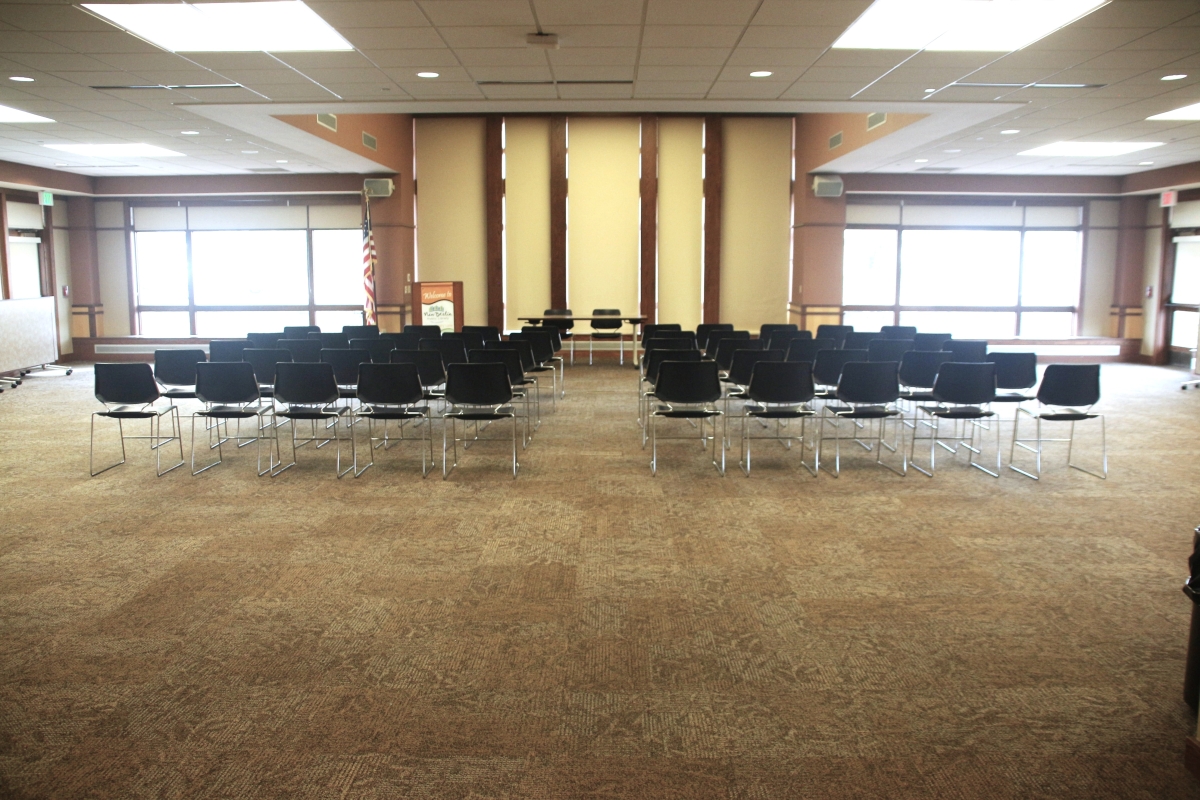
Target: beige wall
527	218
1151	269
113	267
755	230
451	243
1100	266
603	213
680	219
62	273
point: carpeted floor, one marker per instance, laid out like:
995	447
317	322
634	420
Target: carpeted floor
590	631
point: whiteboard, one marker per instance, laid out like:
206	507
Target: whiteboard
28	333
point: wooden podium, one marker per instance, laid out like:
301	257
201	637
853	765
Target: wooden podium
438	303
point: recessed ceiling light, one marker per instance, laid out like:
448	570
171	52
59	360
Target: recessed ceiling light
1164	77
1187	112
922	160
249	152
930	91
1089	149
23	79
962	25
190	133
1145	163
116	150
279	26
761	73
16	115
427	74
1010	131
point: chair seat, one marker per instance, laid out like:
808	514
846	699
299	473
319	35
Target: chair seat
542	369
266	391
1014	397
867	412
826	394
958	412
602	335
232	412
504	412
393	413
919	397
778	412
180	394
126	412
347	392
1067	416
685	413
310	413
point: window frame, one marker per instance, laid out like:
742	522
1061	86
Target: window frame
1168	286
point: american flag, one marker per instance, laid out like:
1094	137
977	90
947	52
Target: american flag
369	259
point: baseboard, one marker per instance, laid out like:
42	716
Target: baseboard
1191	756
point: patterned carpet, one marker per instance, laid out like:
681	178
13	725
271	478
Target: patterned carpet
590	631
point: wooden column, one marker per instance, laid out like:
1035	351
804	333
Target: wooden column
713	181
558	211
392	219
1126	310
649	196
87	307
4	291
494	218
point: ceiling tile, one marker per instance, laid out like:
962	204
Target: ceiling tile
858	75
598	56
820	91
617	91
443	57
113	41
670	88
495	36
779	75
367	13
1182	39
407	75
553	14
502	57
1131	59
293	91
220	62
789	36
534	91
651	73
750	90
773	57
392	38
445	13
709	12
332	76
48	17
1095	39
831	13
598	35
436	90
684	56
527	73
145	62
305	61
1140	13
60	62
724	36
567	73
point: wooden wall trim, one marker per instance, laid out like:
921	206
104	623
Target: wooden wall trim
558	211
494	218
1061	185
4	292
713	191
156	185
649	196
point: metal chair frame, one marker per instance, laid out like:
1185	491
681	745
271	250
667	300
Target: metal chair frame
694	412
1075	409
782	413
218	413
139	410
329	411
474	412
401	413
603	331
861	414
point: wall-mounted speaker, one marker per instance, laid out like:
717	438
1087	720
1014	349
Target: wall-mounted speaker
378	187
827	186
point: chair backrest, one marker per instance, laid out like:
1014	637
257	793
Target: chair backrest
380	349
742	366
670	339
508	356
727	347
425	331
767	328
1076	385
177	367
721	334
807	349
360	331
968	383
781	340
303	350
967	349
524	350
650	329
869	382
453	351
345	364
402	341
888	349
429	364
919	368
931	341
688	382
226	382
827	366
654	358
488	332
704	329
231	349
261	341
860	340
787	382
472	340
1014	370
606	324
564	325
299	331
835	332
125	384
898	331
305	383
479	384
264	361
390	384
541	341
331	341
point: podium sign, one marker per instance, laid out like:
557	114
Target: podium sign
439	303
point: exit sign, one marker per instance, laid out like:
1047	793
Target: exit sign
1168	199
46	198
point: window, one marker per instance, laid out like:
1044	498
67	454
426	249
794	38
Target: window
972	271
1184	302
223	272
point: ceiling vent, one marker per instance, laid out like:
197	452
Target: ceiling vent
875	120
369	141
379	187
546	41
835	140
828	186
327	121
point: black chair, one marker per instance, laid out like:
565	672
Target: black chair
472	340
967	350
675	338
649	329
230	349
859	340
425	331
827	369
453	351
564	326
299	331
779	391
345	365
867	392
522	380
741	368
309	391
721	334
229	391
888	349
651	362
331	341
963	392
723	355
264	362
807	349
380	349
1015	373
261	341
477	393
429	367
918	371
931	341
899	332
391	392
687	390
302	350
781	340
1067	394
835	332
607	330
704	330
489	333
360	331
767	328
541	344
129	391
402	341
175	371
545	340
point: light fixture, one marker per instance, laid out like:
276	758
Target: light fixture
1145	163
116	150
281	161
16	115
761	73
278	26
1089	149
190	133
23	79
1163	78
930	91
249	152
955	150
1187	112
922	160
1010	131
960	25
427	74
